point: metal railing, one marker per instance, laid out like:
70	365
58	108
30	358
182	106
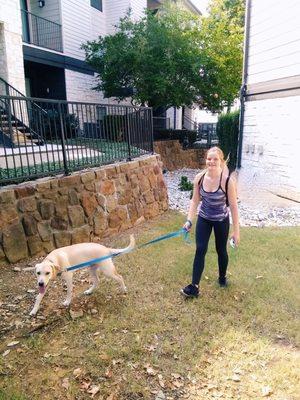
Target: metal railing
74	136
189	124
41	32
161	123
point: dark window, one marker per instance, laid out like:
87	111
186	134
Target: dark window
97	4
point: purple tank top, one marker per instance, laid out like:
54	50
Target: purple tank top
213	206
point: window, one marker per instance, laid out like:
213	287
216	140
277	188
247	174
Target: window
97	4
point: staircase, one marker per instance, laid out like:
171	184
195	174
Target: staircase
15	132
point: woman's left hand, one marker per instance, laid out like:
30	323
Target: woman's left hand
236	237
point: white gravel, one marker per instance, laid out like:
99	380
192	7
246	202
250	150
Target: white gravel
262	214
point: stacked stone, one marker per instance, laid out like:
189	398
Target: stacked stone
174	157
39	216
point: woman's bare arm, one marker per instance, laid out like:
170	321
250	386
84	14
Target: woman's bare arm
232	199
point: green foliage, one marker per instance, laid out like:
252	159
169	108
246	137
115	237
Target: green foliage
159	56
173	57
228	132
176	134
222	50
185	184
52	124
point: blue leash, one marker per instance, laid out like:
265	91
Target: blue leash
181	232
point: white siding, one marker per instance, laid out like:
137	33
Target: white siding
50	11
116	9
274	40
271	144
76	26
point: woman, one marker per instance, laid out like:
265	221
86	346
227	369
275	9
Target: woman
217	189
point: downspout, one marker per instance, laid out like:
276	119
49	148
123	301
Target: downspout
244	83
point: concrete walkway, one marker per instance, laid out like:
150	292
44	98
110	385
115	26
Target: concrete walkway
31	155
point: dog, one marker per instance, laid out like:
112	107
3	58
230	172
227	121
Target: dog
59	260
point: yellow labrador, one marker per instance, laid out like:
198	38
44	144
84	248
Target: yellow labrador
60	259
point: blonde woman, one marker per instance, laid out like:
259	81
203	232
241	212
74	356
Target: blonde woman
217	190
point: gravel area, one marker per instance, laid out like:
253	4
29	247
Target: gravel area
268	211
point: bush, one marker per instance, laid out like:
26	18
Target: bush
185	137
185	184
113	128
228	132
52	126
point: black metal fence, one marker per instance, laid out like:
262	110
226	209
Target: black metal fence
47	137
41	32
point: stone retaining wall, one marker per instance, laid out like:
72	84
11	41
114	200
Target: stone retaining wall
174	157
36	217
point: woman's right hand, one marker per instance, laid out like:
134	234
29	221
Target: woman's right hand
188	225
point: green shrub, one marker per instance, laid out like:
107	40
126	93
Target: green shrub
228	132
185	184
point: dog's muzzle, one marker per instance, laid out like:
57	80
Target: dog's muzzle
42	287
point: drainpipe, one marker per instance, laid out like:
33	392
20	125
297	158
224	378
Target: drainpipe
243	90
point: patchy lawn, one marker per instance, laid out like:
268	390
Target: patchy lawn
235	343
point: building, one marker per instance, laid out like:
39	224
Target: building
269	135
40	44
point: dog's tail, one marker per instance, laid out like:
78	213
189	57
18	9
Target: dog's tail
126	249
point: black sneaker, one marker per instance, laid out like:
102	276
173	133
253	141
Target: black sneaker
190	291
223	282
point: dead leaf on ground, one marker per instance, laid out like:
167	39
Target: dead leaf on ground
259	276
266	391
12	344
77	372
65	383
236	378
94	389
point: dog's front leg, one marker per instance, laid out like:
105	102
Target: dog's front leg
37	303
68	278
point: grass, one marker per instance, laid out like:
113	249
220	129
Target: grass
240	343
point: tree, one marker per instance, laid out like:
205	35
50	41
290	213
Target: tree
159	56
173	57
222	51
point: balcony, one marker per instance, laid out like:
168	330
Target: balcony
41	32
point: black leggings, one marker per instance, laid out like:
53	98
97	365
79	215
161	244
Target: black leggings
203	231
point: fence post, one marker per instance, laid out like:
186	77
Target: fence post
151	130
63	141
208	138
128	135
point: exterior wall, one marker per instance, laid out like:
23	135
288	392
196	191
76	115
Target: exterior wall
271	140
76	26
36	217
51	11
274	40
11	53
114	10
79	88
271	145
175	120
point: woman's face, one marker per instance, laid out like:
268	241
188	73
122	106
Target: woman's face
213	160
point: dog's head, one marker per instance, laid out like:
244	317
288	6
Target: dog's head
45	271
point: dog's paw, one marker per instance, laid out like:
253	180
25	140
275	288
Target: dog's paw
66	303
88	292
33	313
